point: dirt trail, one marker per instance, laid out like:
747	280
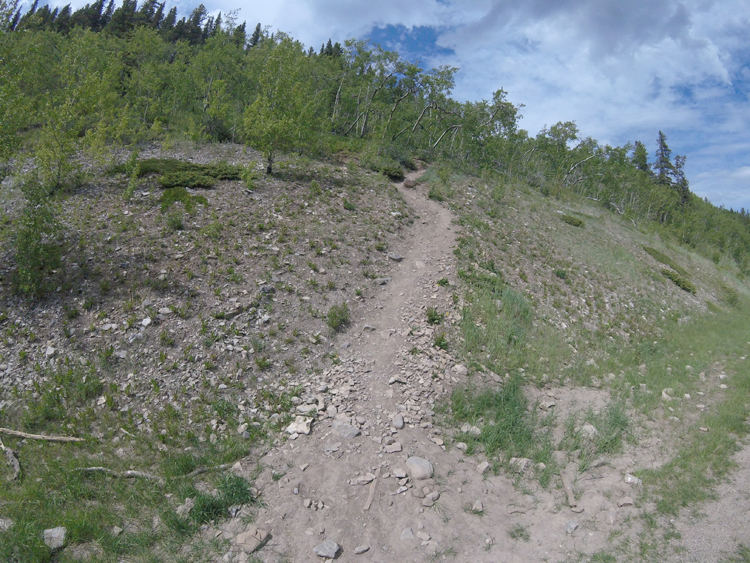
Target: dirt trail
316	487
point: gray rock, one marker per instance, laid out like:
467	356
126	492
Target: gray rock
419	468
360	549
395	257
382	281
407	534
393	448
301	425
409	183
478	506
625	501
54	538
344	430
571	527
328	549
5	524
398	422
483	467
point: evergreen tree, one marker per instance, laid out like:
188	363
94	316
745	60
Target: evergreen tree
640	157
256	36
663	166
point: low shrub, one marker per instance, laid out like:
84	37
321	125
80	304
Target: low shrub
574	221
186	179
338	317
180	194
666	260
679	281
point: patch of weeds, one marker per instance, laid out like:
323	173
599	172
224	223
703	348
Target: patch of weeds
337	317
443	282
263	362
436	194
165	338
434	317
679	281
349	206
562	274
440	341
519	532
574	221
171	196
603	557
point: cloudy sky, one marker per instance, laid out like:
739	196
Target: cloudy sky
621	70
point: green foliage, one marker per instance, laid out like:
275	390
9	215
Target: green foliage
679	281
38	240
186	180
337	317
433	316
574	221
507	427
171	196
666	260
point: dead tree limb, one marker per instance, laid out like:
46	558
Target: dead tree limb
10	432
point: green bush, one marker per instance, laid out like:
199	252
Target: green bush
679	281
433	316
338	317
392	172
574	221
666	260
37	241
186	179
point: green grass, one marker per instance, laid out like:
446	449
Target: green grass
53	491
433	316
171	196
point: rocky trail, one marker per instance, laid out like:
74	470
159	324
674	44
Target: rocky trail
366	474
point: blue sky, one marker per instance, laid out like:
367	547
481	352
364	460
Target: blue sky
622	70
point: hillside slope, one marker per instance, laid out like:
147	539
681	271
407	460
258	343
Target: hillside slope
505	337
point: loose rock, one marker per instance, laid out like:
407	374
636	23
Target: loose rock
54	538
328	549
419	468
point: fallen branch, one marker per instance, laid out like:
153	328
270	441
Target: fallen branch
40	436
372	490
201	470
124	475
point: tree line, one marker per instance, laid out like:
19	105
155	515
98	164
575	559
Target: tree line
105	76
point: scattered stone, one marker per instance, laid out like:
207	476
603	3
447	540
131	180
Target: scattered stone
301	425
360	549
463	446
419	468
393	448
146	321
469	429
328	549
589	430
381	281
250	540
54	538
184	509
519	464
571	527
477	506
399	473
665	394
483	467
398	422
625	501
5	524
116	531
424	536
546	405
407	534
460	369
395	257
409	183
50	351
332	447
344	430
